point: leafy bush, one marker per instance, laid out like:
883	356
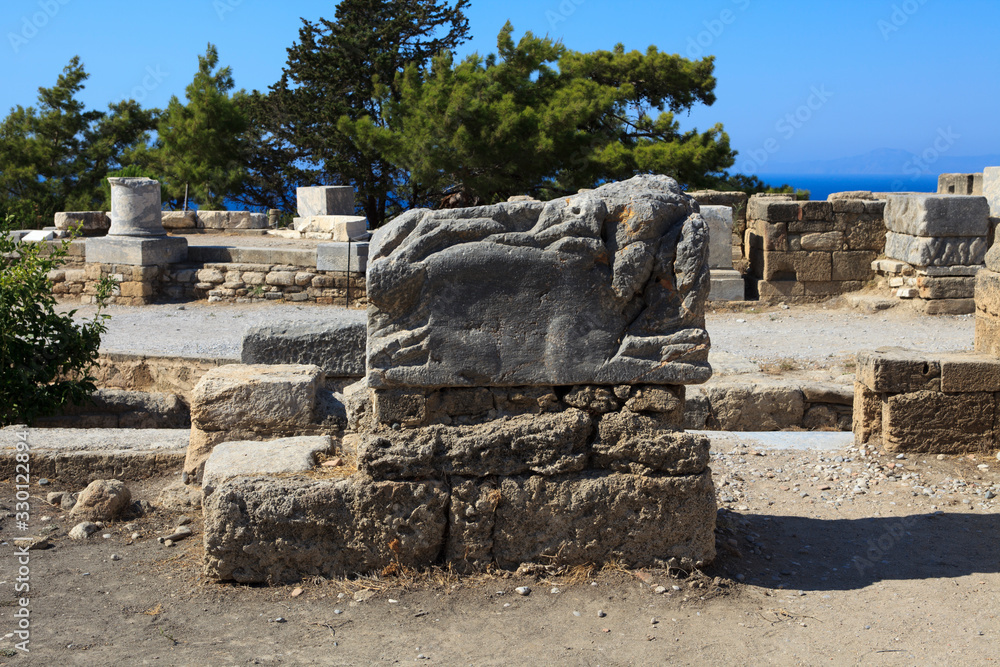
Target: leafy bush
45	356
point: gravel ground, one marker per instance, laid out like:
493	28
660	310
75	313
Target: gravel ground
805	334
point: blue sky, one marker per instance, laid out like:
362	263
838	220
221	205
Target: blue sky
797	81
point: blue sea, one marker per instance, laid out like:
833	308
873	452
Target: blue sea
820	186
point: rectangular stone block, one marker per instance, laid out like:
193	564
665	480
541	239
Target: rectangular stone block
261	530
325	200
342	257
932	422
781	208
136	251
519	294
898	371
987	333
179	219
337	345
892	267
637	520
800	266
274	457
960	184
866	235
88	223
970	373
775	236
937	215
825	241
987	292
991	189
867	414
948	271
816	210
853	265
931	287
940	251
342	227
727	286
213	219
720	232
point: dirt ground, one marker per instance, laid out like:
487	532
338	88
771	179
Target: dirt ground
853	558
906	572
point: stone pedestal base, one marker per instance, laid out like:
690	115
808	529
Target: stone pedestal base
136	251
726	286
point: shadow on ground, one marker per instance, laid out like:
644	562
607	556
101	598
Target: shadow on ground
846	554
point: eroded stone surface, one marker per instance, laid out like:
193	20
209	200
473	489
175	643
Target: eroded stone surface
937	215
605	287
939	251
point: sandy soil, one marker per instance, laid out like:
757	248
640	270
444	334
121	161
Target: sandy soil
904	573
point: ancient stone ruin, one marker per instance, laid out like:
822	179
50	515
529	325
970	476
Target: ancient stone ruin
523	403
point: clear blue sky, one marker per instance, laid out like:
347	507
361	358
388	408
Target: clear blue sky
878	73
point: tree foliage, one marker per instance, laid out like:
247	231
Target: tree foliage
199	142
54	157
333	71
541	119
45	356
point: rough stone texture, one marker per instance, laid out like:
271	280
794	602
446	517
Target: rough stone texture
247	402
282	530
937	215
136	251
938	251
115	408
867	416
88	223
247	458
646	445
600	517
102	500
720	231
754	406
987	291
932	287
337	346
934	422
991	189
325	200
179	219
727	286
895	370
946	306
970	373
547	444
960	184
335	256
179	496
610	289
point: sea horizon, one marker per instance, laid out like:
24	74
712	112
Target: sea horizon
821	186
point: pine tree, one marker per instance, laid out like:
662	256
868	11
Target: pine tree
332	73
199	142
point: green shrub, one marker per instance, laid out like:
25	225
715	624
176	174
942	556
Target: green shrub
45	356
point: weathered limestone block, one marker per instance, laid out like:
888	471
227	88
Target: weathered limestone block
937	215
780	208
825	241
336	345
244	402
325	200
991	189
261	530
341	228
547	444
932	287
274	457
668	401
88	223
946	306
798	266
594	399
342	257
939	251
987	291
987	333
853	265
754	406
605	287
894	370
179	219
867	414
866	235
720	227
640	521
936	423
646	445
777	289
960	184
969	373
135	208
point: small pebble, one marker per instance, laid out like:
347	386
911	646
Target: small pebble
576	613
653	621
168	543
600	613
279	620
43	482
184	520
555	591
135	536
523	590
106	536
115	557
660	589
338	611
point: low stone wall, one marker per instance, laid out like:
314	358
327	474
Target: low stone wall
911	401
766	404
234	282
214	221
153	374
814	249
960	184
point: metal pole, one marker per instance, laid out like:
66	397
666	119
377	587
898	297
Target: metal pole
348	271
185	197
